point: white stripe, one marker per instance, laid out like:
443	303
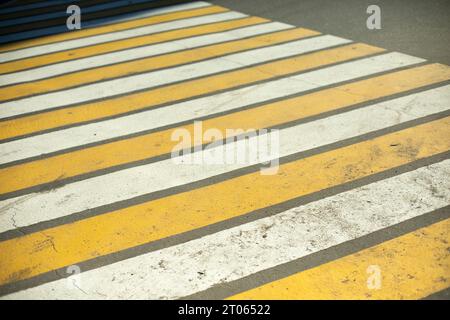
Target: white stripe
138	53
246	249
119	35
179	112
129	183
166	76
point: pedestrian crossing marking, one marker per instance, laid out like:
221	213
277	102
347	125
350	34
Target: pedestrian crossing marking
424	252
149	64
35	253
91	111
127	43
151	145
111	28
67	129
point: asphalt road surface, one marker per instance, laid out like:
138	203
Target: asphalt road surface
101	197
419	28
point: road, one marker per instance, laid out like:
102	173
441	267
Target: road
418	28
328	177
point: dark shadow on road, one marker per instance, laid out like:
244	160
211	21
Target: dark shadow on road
93	13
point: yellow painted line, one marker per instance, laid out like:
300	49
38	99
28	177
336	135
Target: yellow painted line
187	89
120	152
53	248
112	28
106	47
411	266
150	145
149	64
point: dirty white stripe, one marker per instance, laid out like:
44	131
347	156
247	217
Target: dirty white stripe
234	253
184	111
103	21
157	78
129	183
137	53
119	35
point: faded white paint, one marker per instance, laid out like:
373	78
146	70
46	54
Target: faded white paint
234	253
125	184
63	139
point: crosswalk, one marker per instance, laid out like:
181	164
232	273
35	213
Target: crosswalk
87	177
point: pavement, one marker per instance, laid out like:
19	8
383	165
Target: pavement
225	150
419	28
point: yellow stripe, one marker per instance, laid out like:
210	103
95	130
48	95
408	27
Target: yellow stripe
149	64
412	266
157	143
102	48
111	28
40	252
174	92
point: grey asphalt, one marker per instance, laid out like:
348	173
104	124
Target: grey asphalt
417	27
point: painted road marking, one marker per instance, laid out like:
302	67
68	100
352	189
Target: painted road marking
234	30
85	47
86	178
388	84
424	251
180	91
241	251
34	254
36	37
150	64
129	183
233	27
58	14
92	159
148	80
